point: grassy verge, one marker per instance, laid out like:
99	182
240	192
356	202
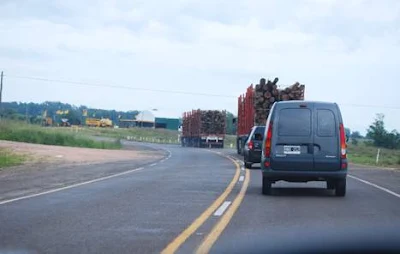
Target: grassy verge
230	141
8	158
14	131
137	134
364	154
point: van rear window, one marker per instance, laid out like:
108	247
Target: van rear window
294	122
326	123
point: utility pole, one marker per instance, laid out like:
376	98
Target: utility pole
1	95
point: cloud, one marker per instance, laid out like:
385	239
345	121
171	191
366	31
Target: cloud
336	48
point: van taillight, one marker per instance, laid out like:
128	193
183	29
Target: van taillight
343	146
267	151
250	145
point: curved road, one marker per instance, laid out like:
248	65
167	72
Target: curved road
192	200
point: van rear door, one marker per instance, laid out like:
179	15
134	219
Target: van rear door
292	140
326	137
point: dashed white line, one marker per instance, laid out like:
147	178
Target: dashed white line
241	178
242	168
70	186
152	165
222	208
375	185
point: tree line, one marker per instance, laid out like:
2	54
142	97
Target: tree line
380	136
35	112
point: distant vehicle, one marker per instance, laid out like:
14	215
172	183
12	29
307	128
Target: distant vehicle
305	141
94	122
253	146
203	128
48	121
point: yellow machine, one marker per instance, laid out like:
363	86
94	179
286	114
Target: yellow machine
93	122
47	121
105	122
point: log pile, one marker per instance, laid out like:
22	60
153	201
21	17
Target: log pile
213	122
267	93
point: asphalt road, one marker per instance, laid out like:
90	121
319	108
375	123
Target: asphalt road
192	200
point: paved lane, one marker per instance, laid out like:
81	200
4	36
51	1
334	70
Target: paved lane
140	212
297	209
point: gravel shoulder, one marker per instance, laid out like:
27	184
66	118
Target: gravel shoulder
50	167
48	154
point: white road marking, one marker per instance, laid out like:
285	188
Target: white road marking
80	184
152	165
242	168
220	211
241	178
70	186
375	185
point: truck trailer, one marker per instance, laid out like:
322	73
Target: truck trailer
203	128
255	104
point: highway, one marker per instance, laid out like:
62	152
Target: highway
190	200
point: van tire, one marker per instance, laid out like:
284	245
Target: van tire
340	188
266	186
247	165
330	185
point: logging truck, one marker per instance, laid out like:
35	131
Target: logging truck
203	128
255	104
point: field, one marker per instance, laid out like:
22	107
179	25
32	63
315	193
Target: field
7	158
89	137
18	131
137	134
364	154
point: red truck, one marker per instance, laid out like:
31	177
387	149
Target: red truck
245	119
255	104
203	128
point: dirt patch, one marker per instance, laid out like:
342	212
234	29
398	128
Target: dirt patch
73	155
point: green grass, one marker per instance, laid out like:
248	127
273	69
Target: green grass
137	134
230	140
17	131
8	158
365	154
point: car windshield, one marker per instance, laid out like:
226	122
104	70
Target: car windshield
198	126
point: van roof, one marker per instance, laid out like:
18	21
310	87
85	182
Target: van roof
297	102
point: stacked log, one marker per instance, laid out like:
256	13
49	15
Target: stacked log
266	93
213	122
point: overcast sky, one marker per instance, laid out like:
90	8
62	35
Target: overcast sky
343	51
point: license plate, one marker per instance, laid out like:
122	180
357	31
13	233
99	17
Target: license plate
291	149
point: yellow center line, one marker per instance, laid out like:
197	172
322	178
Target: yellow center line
180	239
213	236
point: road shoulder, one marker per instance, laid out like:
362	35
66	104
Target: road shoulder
36	177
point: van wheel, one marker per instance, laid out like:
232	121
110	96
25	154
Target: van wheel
247	165
330	185
266	186
340	188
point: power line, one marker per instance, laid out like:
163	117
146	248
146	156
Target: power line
368	106
119	86
171	91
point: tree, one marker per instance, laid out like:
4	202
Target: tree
355	134
377	132
230	127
